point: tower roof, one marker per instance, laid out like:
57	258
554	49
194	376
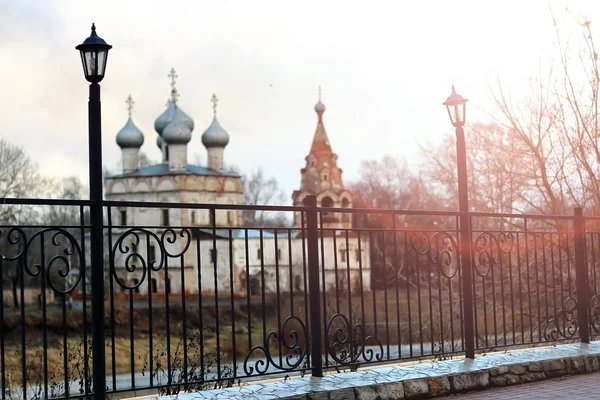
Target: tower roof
320	144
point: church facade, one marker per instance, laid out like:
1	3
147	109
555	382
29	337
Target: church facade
204	248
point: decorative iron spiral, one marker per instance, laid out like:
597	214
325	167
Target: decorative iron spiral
445	246
133	261
298	351
347	344
170	237
486	253
440	249
61	263
15	237
563	324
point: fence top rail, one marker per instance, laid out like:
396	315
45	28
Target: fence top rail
44	202
277	208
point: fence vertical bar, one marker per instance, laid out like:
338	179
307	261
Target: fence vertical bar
312	243
581	277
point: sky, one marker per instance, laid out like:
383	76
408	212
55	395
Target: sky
385	67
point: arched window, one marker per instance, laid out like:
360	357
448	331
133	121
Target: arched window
326	202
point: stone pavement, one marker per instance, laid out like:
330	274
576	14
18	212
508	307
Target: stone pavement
568	387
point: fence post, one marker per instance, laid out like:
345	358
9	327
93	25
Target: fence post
581	275
313	285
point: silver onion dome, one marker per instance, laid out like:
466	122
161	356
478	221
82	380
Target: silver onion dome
215	135
130	136
178	131
169	115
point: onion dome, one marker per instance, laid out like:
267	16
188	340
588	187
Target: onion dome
178	131
215	135
130	135
172	109
169	115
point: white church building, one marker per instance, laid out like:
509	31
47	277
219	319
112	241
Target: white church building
211	251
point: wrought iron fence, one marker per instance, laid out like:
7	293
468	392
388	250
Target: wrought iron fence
195	300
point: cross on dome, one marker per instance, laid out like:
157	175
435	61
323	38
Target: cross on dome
174	93
319	93
215	100
130	104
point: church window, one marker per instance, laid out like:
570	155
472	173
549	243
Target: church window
343	255
325	177
193	217
230	217
213	216
357	254
154	285
213	256
165	217
166	153
326	202
123	217
279	254
312	163
259	253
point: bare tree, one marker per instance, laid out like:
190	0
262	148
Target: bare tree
144	160
496	169
557	126
19	178
259	190
389	183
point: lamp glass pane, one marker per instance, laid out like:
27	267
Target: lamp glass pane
101	61
457	118
90	62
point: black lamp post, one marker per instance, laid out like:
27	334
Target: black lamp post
94	53
456	106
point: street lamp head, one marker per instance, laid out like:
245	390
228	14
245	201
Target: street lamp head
94	52
456	106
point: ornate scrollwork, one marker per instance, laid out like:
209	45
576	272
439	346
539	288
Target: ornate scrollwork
486	254
420	242
489	248
170	237
445	247
126	246
17	239
59	267
293	341
440	249
563	325
348	344
506	242
594	312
